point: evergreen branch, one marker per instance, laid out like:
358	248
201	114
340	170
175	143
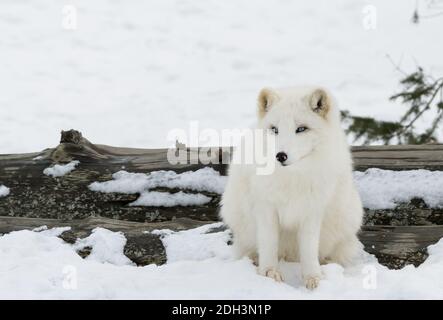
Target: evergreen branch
420	93
426	107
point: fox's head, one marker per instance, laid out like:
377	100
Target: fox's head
300	118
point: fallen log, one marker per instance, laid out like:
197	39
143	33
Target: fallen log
34	194
397	246
69	200
413	213
399	157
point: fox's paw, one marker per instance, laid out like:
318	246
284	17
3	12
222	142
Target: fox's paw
254	259
273	273
311	282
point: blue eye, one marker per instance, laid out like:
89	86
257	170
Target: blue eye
301	129
274	129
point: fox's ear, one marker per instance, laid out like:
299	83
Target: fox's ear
320	102
266	98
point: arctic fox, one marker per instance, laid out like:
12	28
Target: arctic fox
307	209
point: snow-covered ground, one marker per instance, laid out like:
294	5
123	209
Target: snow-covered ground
131	72
38	265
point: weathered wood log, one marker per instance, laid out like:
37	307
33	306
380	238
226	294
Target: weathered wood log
400	157
414	213
35	195
397	246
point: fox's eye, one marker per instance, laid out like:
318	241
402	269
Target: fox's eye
301	129
274	129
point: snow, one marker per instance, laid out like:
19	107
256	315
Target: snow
385	189
4	191
38	265
107	247
174	61
166	199
188	244
206	179
41	228
379	189
60	170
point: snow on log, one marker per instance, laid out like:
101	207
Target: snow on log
126	189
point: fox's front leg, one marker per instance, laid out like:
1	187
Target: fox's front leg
308	243
267	244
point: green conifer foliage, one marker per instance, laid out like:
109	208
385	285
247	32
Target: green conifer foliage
421	95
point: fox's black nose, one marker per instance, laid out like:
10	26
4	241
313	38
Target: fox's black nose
281	157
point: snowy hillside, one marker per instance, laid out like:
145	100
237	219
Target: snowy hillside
130	72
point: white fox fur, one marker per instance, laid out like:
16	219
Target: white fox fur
308	209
